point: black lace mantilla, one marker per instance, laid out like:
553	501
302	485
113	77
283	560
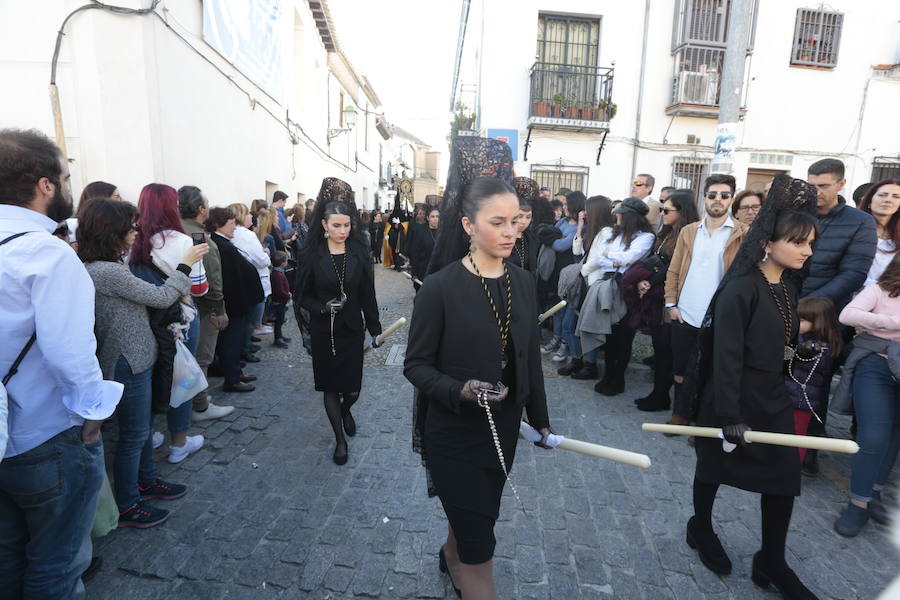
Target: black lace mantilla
527	189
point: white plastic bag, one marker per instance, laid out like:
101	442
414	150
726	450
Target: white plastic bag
187	377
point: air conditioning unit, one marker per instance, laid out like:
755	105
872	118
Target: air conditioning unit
697	88
693	139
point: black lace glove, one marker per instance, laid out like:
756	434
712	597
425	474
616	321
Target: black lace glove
545	433
735	433
333	305
473	390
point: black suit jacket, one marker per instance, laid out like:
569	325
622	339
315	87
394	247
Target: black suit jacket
317	283
240	280
453	337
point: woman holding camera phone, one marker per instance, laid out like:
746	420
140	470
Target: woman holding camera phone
474	359
336	284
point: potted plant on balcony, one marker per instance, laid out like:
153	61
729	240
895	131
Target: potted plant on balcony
587	112
572	111
463	120
606	110
541	108
556	107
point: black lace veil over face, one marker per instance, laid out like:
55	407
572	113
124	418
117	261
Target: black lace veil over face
333	190
786	194
470	158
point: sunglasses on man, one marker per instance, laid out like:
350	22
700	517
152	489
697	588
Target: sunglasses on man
723	195
638	183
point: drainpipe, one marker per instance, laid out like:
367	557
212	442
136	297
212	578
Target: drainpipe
640	101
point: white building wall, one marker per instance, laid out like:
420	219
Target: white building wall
139	105
807	113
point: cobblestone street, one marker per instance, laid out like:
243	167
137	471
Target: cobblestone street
269	515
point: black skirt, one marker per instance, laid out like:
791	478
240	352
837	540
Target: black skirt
339	371
761	468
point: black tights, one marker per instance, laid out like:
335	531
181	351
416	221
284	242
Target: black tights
776	518
335	409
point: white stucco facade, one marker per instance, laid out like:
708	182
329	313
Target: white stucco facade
794	115
140	104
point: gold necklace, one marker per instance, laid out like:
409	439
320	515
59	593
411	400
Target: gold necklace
521	253
502	325
787	316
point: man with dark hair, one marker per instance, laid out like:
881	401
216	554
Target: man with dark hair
52	465
279	199
641	188
194	209
844	251
545	193
703	252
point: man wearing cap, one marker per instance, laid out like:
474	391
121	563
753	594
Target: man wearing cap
641	188
545	193
703	253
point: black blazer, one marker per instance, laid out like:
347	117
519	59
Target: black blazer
240	280
453	337
421	245
317	283
532	247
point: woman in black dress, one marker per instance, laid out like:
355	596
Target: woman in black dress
525	252
745	340
336	284
421	245
474	349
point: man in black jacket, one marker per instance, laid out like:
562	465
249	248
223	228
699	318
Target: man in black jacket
843	254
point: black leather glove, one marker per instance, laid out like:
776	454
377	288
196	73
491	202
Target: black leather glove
735	433
473	390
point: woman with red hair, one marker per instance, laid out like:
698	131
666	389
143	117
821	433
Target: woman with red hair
882	201
158	244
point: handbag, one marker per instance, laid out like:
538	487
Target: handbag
13	369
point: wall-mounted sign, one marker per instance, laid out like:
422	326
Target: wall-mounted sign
510	136
247	33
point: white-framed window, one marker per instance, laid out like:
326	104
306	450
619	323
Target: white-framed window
817	37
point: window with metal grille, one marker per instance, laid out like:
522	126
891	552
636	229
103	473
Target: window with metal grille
689	172
817	37
885	167
567	50
555	177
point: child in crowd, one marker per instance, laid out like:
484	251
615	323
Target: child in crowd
281	295
809	371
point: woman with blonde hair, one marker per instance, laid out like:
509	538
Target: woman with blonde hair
265	219
252	249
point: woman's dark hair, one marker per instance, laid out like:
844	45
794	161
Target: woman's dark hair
794	226
631	225
335	198
819	311
103	227
541	212
599	215
218	217
93	191
452	241
574	204
365	217
890	279
686	204
865	205
25	157
190	201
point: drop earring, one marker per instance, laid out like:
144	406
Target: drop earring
766	257
327	235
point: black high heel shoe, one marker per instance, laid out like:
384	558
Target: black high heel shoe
785	581
442	565
340	459
709	548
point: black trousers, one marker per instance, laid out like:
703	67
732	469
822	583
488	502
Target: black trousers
278	310
617	352
661	335
229	346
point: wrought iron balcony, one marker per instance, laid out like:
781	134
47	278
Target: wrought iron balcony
571	97
695	88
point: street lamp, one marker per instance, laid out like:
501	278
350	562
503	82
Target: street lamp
349	121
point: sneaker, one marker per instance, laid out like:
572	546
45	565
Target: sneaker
213	412
142	516
562	353
552	346
263	330
852	520
179	453
162	490
158	439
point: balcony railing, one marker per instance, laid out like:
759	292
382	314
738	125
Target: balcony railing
570	96
696	82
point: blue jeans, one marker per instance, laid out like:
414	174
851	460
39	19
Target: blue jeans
133	462
558	323
569	323
179	419
253	319
876	397
48	498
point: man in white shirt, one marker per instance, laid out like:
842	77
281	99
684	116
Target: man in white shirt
641	188
703	253
52	469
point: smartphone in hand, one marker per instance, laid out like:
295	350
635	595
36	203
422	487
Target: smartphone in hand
198	238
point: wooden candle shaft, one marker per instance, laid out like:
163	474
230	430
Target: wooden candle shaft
551	311
620	456
762	437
